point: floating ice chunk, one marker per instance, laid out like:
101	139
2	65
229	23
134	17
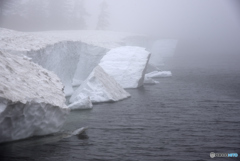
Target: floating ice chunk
100	87
148	80
83	103
79	131
155	74
32	101
127	65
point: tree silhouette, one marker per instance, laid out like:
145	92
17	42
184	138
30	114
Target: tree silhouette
2	2
56	19
43	14
103	17
36	14
11	13
80	14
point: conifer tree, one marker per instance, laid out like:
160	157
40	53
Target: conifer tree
36	14
57	12
103	17
80	14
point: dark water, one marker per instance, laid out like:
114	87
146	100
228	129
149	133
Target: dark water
185	117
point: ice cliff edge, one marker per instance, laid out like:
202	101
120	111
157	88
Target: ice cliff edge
31	99
100	87
127	65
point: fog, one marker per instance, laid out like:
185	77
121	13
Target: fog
202	27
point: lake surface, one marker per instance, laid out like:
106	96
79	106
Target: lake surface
185	117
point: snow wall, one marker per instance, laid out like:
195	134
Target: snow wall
71	61
74	61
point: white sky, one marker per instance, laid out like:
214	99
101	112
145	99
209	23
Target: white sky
210	22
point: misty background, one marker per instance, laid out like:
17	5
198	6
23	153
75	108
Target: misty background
191	114
202	27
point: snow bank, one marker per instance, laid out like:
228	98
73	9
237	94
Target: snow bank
100	87
155	74
126	65
72	55
27	41
31	99
60	58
